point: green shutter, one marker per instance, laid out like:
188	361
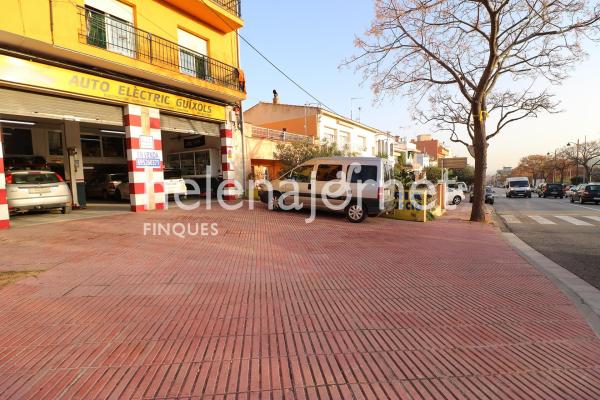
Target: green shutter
96	29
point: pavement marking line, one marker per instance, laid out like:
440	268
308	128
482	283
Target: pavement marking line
510	219
541	220
587	208
572	220
597	219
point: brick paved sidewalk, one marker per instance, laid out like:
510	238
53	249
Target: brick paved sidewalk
275	308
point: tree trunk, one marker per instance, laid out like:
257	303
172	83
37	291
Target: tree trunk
587	173
562	176
480	150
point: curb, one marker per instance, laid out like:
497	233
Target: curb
585	296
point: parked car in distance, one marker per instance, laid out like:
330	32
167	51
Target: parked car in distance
174	185
459	185
587	193
454	196
342	175
555	190
566	190
489	195
25	163
518	187
538	189
105	185
572	190
37	190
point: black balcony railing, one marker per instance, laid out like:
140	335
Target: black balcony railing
114	34
233	6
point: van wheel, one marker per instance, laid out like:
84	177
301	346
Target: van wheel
355	213
66	210
274	204
456	200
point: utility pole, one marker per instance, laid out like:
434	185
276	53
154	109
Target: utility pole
577	157
553	167
352	107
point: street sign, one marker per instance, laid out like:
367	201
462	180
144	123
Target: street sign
146	159
146	142
453	163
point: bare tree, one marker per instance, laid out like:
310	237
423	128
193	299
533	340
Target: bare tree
586	154
535	165
562	163
463	58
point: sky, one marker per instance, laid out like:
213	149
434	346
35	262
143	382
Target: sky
309	40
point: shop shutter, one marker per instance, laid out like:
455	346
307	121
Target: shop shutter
27	104
171	123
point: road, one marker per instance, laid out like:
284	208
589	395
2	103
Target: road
568	234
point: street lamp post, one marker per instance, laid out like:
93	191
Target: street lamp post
553	167
577	158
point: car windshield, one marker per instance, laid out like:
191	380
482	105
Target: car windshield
489	190
118	177
172	174
519	184
594	188
35	179
554	187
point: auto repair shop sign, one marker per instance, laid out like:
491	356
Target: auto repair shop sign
146	158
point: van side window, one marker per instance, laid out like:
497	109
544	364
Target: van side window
302	174
362	173
328	172
389	173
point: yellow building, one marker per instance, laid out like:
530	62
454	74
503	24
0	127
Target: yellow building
83	82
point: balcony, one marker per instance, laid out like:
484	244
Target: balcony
225	15
280	136
115	35
233	6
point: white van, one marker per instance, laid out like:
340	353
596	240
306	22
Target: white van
518	187
358	186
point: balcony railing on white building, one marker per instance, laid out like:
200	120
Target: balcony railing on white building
281	136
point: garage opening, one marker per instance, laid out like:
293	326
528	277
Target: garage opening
191	149
77	140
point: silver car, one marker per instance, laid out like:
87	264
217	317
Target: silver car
37	190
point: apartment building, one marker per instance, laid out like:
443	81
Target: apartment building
95	86
323	126
433	148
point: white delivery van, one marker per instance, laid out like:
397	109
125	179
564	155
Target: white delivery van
518	187
357	186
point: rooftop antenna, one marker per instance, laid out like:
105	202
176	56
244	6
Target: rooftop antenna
352	106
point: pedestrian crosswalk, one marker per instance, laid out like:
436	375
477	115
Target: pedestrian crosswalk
541	220
572	220
580	220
